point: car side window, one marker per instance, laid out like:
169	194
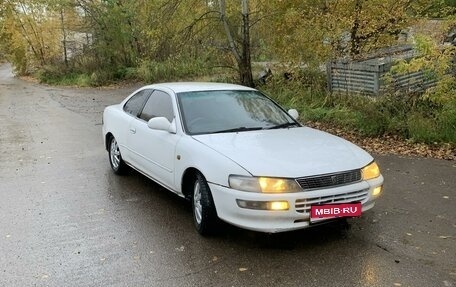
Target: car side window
158	105
135	104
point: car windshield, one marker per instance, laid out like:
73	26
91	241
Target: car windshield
206	112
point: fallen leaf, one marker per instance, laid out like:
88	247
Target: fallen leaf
390	144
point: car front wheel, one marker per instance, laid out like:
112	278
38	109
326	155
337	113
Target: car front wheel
204	213
115	158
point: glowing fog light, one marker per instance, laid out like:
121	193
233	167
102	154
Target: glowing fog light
278	205
377	190
263	205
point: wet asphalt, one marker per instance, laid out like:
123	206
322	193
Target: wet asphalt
67	220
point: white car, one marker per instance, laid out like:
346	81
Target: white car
239	157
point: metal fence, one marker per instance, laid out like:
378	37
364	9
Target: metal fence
367	76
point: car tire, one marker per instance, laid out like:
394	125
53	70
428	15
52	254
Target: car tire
115	158
204	212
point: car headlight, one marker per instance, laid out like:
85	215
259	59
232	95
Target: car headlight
263	184
370	171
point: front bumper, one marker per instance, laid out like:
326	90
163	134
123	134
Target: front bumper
298	214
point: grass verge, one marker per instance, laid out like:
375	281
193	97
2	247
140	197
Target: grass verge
411	117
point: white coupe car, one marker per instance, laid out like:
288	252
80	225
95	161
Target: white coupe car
239	157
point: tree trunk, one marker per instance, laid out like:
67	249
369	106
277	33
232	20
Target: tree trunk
229	36
64	42
242	57
245	67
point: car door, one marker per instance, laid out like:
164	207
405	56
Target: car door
154	150
132	108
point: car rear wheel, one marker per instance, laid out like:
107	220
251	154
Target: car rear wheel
204	212
115	158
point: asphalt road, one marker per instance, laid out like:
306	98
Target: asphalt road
67	220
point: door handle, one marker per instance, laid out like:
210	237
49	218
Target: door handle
133	130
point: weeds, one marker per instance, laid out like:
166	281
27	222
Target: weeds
170	70
411	116
147	71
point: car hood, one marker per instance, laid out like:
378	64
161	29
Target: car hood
293	152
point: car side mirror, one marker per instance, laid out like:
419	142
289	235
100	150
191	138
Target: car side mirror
162	124
293	113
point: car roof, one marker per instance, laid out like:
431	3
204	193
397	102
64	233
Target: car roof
178	87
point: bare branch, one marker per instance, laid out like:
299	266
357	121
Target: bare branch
203	17
261	18
228	31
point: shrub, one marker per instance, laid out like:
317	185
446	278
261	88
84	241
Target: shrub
422	129
446	122
61	75
412	116
170	70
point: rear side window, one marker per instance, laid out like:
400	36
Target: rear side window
135	104
158	105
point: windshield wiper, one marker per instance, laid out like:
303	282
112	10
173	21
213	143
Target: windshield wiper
281	126
239	129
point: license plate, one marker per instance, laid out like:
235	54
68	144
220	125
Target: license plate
327	211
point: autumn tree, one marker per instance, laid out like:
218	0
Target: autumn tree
125	34
317	30
239	49
33	32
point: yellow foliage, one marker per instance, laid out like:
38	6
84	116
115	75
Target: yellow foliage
321	30
436	60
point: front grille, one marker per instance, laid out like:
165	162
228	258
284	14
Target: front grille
303	205
330	180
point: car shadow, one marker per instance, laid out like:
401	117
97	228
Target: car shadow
290	240
178	214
